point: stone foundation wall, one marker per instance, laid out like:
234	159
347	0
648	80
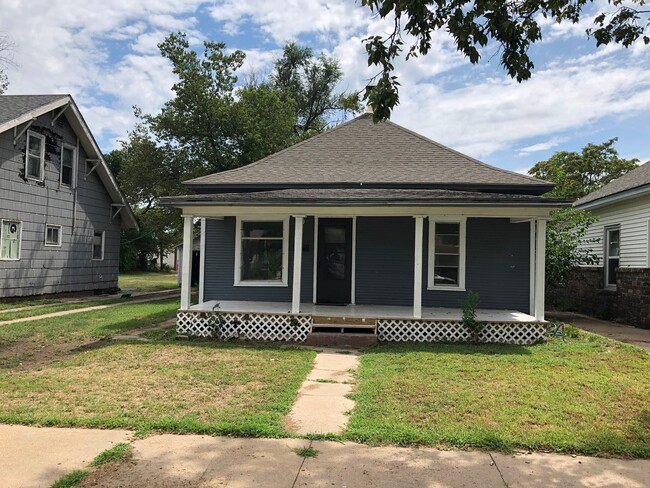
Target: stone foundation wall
633	296
584	293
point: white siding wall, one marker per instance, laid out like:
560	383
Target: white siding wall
633	217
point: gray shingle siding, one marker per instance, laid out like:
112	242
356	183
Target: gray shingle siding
70	267
220	271
497	263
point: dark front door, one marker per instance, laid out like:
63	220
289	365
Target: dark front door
334	271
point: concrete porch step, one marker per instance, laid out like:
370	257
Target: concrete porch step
341	340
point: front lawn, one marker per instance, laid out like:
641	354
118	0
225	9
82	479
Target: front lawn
146	281
200	387
585	395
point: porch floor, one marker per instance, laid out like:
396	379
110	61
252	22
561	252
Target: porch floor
361	311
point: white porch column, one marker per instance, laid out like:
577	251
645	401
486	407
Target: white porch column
202	262
186	271
417	278
540	268
297	262
531	266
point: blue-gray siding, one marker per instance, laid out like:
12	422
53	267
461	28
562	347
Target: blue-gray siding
497	264
220	268
55	269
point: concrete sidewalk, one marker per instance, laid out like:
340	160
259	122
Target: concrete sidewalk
619	332
35	457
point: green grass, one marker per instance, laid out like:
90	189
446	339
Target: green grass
26	302
44	340
58	307
307	452
190	387
71	479
585	395
148	281
119	452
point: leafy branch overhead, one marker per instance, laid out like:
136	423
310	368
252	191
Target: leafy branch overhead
513	26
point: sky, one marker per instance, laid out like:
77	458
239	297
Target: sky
104	53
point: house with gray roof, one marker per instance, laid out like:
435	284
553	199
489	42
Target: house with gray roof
619	286
61	209
366	232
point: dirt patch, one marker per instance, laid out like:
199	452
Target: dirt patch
25	353
106	474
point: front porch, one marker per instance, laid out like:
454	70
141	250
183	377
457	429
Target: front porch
257	320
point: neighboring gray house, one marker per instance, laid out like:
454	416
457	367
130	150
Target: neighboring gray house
619	286
60	207
366	228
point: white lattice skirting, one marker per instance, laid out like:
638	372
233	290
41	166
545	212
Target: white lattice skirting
282	327
253	326
404	330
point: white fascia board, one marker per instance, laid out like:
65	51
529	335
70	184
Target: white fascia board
617	197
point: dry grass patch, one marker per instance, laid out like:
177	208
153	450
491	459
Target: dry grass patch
189	387
143	281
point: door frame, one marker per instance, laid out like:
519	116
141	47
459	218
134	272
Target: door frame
353	277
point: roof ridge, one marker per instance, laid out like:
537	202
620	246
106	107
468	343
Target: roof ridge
293	146
447	148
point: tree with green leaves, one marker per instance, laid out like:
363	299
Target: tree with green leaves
577	174
310	83
512	27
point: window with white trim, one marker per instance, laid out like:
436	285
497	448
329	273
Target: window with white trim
612	255
261	252
53	235
68	165
446	270
98	246
35	156
10	236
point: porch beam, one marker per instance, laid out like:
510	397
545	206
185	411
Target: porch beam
186	271
417	278
297	262
540	268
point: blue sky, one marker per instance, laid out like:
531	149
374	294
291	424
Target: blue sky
104	54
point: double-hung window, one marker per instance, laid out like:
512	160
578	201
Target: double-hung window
98	246
10	235
446	269
68	165
35	156
612	255
261	252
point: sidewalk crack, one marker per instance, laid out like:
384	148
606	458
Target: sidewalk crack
300	468
497	466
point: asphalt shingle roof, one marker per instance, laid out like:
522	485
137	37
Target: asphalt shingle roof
361	152
360	196
637	177
13	106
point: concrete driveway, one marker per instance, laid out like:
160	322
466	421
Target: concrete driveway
34	457
619	332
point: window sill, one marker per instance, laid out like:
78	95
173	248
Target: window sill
445	288
260	283
52	245
37	180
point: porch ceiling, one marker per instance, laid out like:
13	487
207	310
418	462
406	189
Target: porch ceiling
361	311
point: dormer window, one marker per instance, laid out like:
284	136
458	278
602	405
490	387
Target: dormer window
35	156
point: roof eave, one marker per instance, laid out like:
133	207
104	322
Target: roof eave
614	198
356	203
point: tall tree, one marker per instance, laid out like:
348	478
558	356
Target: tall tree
311	84
6	59
577	174
512	26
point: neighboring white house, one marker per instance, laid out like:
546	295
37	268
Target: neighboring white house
621	240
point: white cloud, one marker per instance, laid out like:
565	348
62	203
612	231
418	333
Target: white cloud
541	146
